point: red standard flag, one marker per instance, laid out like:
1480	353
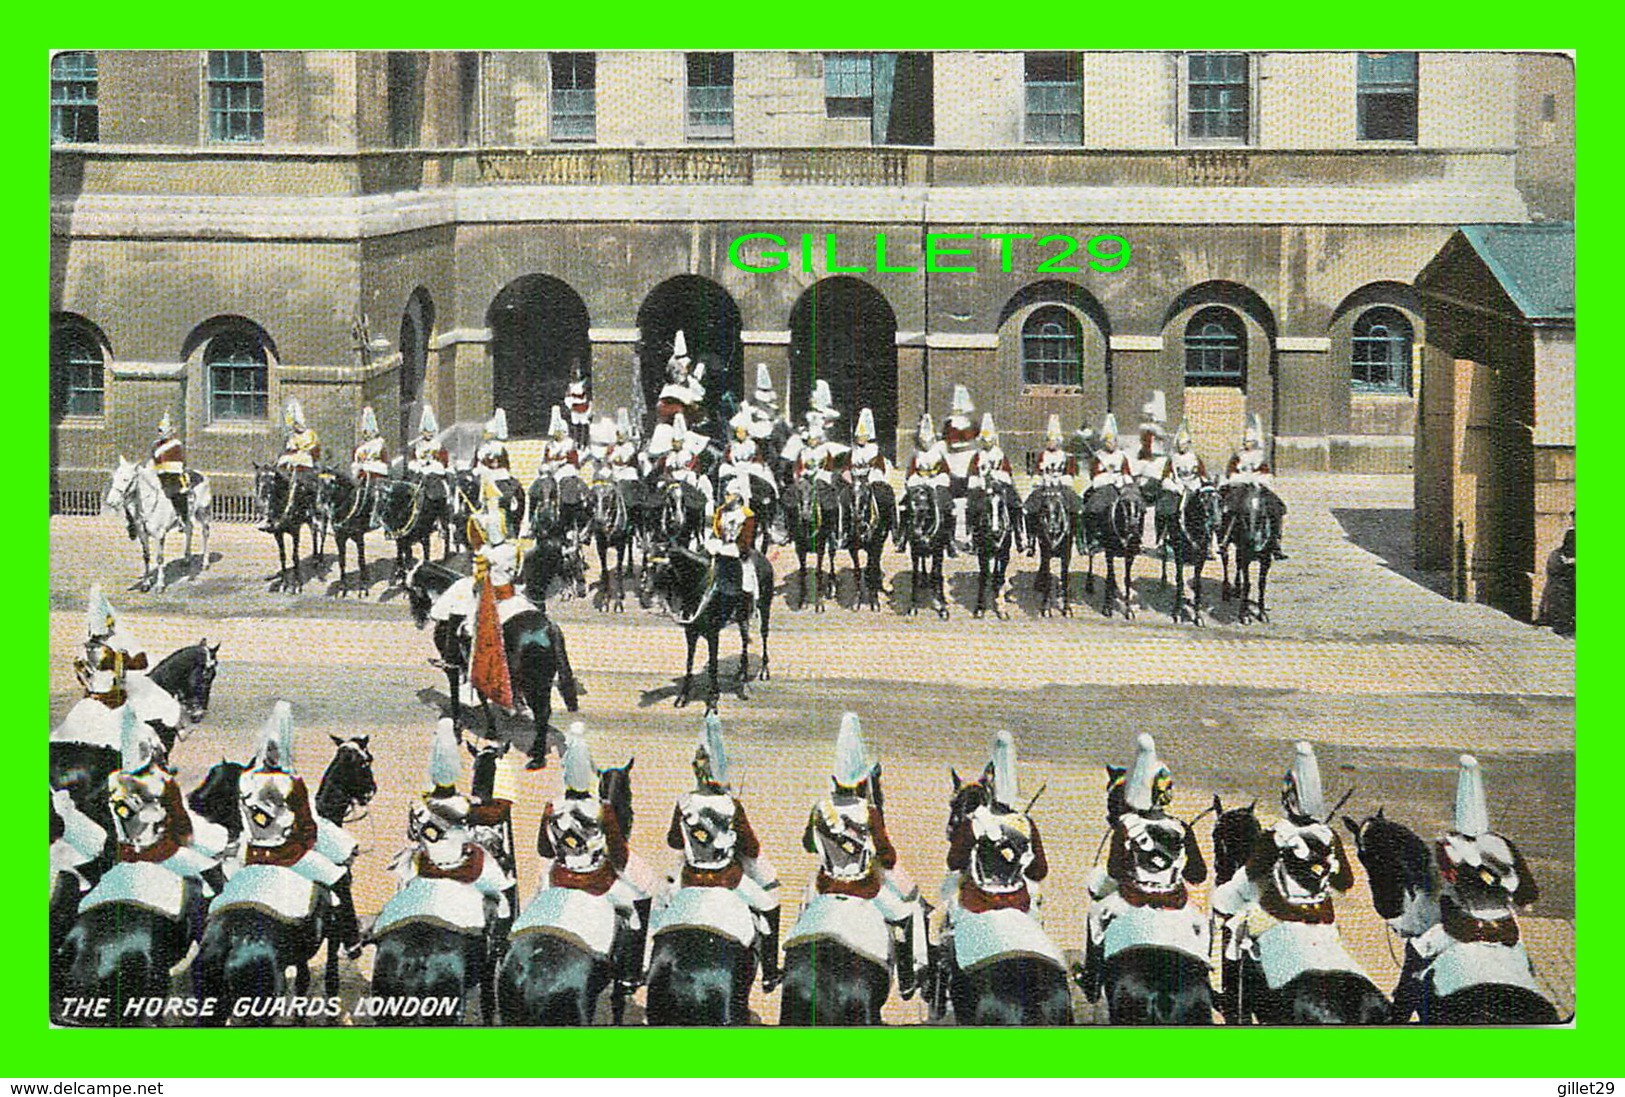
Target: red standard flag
489	670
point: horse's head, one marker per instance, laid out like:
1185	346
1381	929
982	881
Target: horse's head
1234	833
200	680
1396	861
216	798
1116	793
486	754
124	477
1054	523
966	797
418	599
348	780
615	789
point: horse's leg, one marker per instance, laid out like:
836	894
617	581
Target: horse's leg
1244	568
938	590
857	574
1066	578
1224	558
712	637
361	563
1196	593
688	667
298	580
187	554
1263	579
282	563
160	572
1128	583
744	654
1178	613
343	574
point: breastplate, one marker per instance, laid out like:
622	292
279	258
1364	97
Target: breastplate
848	848
138	809
709	837
267	818
577	834
1158	857
1002	853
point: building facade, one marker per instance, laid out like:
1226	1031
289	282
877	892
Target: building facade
231	229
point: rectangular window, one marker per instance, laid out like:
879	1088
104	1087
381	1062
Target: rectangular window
73	98
1219	95
236	95
237	390
1054	99
468	98
711	95
849	85
1387	97
575	96
402	95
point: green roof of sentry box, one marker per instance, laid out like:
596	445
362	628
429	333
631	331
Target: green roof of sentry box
1533	263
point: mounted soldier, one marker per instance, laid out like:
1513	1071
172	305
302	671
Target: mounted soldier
745	457
959	451
996	849
113	653
865	459
1249	465
1055	470
1152	858
674	460
561	456
1148	463
581	837
720	849
733	533
150	820
429	458
620	462
1184	471
169	462
491	458
279	827
370	461
440	828
684	390
579	405
991	471
847	830
297	463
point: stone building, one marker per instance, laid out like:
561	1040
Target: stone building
231	229
1495	439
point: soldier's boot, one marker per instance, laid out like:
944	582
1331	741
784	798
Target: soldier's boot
629	966
767	944
346	927
902	934
1280	532
215	877
1089	978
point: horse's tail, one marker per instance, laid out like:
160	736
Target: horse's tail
425	962
826	983
699	978
1156	986
250	967
545	981
1021	991
109	956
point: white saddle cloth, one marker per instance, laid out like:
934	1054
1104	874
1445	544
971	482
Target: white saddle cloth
1289	949
998	935
92	723
846	919
334	842
583	919
1184	930
1479	963
139	883
274	890
445	903
713	909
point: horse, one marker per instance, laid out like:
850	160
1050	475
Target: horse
1014	989
692	592
1250	525
246	949
1405	884
559	511
993	530
927	528
285	501
351	508
537	658
550	978
817	521
1314	995
469	484
680	519
149	516
187	674
1187	522
874	517
1113	524
610	526
409	511
703	962
1050	527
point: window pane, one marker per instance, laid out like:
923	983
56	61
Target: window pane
76	372
73	97
1392	70
848	85
1217	89
1382	351
236	95
238	377
1215	348
1050	348
574	70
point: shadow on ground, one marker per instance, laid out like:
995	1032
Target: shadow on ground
1389	535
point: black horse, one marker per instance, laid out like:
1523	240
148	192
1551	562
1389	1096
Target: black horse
699	977
246	951
409	510
1012	990
611	526
1113	523
351	507
466	503
1251	526
1050	526
1313	997
286	500
817	522
537	658
927	527
993	528
1404	876
703	604
549	979
187	674
874	517
1187	520
680	519
560	512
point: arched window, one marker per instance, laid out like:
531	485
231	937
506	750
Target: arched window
1216	349
238	376
77	366
1382	351
1051	347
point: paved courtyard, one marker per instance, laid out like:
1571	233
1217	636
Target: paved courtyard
1389	679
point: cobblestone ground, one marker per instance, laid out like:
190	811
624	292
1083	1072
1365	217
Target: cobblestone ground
1361	656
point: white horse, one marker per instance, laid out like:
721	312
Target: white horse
150	516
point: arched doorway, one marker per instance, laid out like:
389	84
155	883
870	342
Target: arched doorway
708	318
417	321
538	336
843	331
